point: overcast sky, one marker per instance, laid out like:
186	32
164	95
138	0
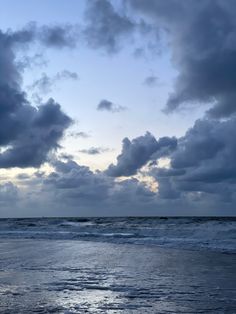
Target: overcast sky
117	107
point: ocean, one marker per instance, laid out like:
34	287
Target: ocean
215	234
118	265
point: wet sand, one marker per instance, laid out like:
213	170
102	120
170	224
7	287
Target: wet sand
51	276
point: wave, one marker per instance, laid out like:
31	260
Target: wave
217	234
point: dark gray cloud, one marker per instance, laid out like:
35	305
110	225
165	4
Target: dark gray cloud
203	163
136	153
202	41
106	105
27	134
95	150
109	26
77	182
105	26
45	83
201	38
31	134
72	189
59	36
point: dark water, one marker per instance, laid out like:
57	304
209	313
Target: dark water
54	276
216	234
118	265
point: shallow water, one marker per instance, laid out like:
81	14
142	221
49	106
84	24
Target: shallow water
55	276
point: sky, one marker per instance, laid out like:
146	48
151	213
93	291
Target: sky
117	107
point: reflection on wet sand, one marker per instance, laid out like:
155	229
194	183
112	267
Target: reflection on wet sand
87	277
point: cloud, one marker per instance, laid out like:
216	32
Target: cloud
106	105
202	172
23	176
136	153
27	134
202	41
77	187
8	193
37	60
202	45
78	182
203	163
55	36
59	36
94	150
72	189
45	83
33	134
151	81
79	135
105	26
65	74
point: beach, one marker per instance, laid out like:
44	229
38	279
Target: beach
118	157
68	276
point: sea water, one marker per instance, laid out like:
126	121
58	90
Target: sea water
216	234
118	265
